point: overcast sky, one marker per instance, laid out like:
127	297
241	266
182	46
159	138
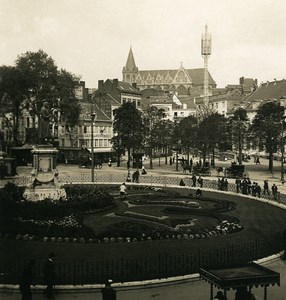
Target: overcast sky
92	38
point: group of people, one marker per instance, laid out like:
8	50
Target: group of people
222	184
27	278
246	187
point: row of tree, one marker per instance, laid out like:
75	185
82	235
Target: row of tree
151	133
33	79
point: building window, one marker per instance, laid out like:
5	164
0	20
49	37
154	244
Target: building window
28	122
99	143
175	114
84	129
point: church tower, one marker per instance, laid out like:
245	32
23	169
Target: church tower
130	70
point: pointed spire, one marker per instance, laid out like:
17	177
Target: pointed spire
130	63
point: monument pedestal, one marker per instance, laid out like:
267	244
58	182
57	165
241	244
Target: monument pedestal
45	183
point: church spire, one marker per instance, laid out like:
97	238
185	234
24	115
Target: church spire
130	63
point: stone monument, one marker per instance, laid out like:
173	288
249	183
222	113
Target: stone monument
45	183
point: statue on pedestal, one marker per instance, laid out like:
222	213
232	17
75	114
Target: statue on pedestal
44	123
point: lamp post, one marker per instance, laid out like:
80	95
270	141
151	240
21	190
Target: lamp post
92	115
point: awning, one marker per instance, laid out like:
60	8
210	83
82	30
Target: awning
246	275
101	150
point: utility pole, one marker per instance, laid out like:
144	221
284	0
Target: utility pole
92	115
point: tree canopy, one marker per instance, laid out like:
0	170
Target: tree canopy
128	129
35	78
267	128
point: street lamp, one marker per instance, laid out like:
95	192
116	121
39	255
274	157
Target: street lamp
92	115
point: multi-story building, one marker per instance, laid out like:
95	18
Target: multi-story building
113	93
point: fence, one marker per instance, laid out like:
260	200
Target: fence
146	179
144	267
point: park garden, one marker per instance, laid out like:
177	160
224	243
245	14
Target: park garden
153	233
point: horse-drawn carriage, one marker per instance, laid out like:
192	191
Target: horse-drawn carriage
202	170
234	171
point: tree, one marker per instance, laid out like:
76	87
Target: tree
266	128
162	136
13	94
152	116
187	131
238	127
67	102
128	129
211	134
42	74
34	79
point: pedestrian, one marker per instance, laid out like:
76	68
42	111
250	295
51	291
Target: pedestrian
274	191
194	179
26	280
238	184
109	162
49	275
182	183
266	187
170	161
200	181
248	186
244	186
135	176
128	178
199	193
225	184
143	171
122	190
258	190
108	293
219	183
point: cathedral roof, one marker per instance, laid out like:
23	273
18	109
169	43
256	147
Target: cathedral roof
196	75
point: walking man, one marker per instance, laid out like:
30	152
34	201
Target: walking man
49	276
26	281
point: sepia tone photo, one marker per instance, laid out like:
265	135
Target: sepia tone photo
142	150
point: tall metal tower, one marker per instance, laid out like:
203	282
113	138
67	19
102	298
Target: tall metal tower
206	44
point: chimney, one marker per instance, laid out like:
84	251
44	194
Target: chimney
115	82
134	84
241	80
100	85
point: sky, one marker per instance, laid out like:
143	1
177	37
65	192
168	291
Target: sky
92	38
